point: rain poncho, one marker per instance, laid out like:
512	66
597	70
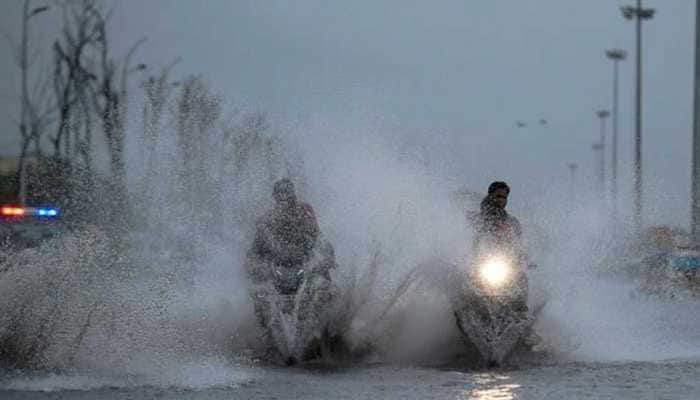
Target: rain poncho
286	236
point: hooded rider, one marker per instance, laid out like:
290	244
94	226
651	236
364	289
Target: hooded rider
287	235
286	240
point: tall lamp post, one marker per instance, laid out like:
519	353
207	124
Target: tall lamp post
598	149
572	193
602	115
695	201
616	55
638	14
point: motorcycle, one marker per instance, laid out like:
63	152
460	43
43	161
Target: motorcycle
492	306
294	306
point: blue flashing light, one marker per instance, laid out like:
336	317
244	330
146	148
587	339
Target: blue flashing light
47	212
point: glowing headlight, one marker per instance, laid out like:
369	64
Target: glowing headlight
495	271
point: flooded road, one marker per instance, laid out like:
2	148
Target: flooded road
624	380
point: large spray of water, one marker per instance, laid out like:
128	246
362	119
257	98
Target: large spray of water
597	310
169	302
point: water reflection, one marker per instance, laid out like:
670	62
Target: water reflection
491	387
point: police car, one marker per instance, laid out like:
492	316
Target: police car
22	226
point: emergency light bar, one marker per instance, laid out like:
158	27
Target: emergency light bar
14	211
46	212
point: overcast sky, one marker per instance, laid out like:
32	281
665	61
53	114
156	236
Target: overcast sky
454	75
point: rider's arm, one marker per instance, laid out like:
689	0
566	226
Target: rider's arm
261	246
312	229
479	232
518	239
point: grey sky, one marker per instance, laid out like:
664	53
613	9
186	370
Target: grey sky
459	72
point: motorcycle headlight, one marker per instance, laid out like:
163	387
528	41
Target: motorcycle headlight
495	272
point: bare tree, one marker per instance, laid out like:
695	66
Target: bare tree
250	137
253	147
71	79
34	114
198	111
157	91
111	98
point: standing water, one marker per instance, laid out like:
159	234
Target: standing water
156	317
158	305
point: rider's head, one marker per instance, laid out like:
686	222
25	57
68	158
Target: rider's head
283	192
499	191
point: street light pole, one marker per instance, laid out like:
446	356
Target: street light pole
616	55
572	192
639	14
598	149
695	201
603	115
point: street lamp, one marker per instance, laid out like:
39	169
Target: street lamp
616	55
695	181
38	10
603	115
572	193
598	148
639	14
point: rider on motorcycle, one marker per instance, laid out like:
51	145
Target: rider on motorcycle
499	232
496	228
288	258
287	235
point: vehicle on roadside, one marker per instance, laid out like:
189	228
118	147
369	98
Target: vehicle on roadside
24	227
672	272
